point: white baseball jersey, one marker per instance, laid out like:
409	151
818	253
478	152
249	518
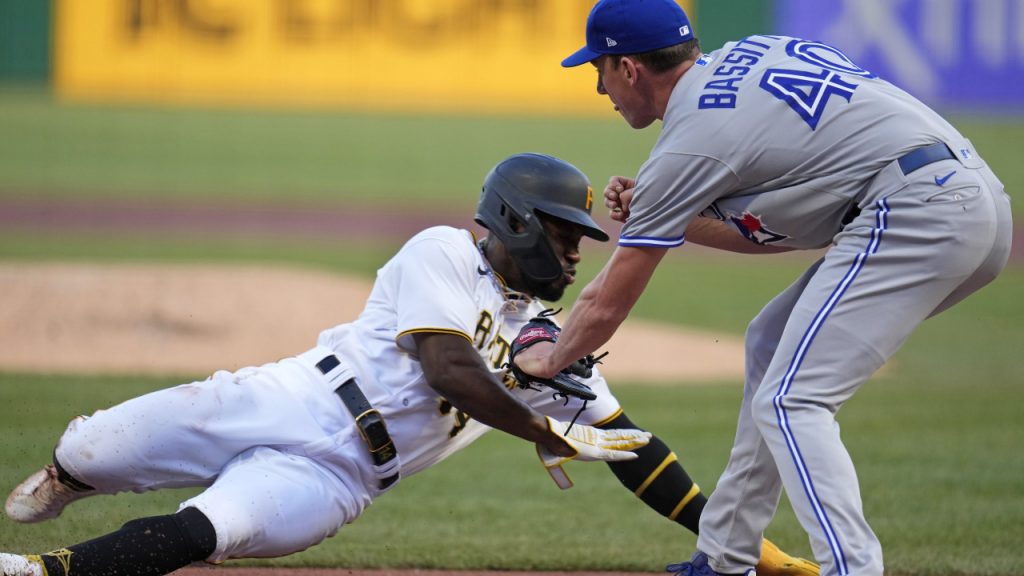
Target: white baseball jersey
438	282
282	461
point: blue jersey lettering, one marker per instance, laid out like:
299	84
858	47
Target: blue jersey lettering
808	93
721	100
732	70
747	40
727	84
737	58
735	66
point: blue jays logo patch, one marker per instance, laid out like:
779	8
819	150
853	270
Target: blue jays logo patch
753	229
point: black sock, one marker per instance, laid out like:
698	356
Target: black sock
658	479
145	547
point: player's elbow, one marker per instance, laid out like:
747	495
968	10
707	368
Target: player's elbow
449	376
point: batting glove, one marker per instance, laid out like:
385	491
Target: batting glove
591	445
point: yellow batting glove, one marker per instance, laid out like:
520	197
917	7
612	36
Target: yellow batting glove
591	445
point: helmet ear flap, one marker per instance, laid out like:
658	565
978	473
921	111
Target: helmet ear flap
521	187
520	230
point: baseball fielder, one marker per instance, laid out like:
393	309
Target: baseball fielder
774	143
290	451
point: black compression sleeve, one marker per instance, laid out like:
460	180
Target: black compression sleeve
657	478
145	547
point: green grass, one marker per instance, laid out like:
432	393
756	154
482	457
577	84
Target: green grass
939	462
56	149
49	148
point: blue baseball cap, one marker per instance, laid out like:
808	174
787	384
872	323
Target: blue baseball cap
631	27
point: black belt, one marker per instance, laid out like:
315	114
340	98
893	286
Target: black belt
921	157
368	419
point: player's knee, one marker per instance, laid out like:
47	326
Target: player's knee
770	409
759	348
76	456
762	408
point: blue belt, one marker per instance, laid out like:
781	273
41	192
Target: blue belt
921	157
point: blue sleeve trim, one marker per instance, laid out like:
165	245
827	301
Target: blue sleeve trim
652	241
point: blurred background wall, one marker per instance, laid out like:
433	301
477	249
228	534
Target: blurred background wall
24	40
467	55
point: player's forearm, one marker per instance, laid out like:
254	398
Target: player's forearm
475	391
591	323
603	305
717	234
454	369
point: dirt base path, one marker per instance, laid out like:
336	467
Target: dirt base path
195	319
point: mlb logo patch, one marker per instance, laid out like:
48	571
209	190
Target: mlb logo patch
704	60
965	154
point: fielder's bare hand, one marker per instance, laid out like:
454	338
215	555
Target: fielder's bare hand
534	360
617	196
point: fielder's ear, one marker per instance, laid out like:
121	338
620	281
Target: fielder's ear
629	71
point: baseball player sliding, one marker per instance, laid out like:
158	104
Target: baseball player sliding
290	451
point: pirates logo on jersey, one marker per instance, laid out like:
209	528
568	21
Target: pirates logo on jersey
753	229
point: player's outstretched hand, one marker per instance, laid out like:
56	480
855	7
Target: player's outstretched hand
589	444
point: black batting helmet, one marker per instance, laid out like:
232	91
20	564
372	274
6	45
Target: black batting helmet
517	191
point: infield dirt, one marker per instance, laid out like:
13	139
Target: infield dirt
197	318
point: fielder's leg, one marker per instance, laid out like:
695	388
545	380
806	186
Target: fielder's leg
900	261
747	494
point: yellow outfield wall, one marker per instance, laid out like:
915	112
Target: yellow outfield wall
405	55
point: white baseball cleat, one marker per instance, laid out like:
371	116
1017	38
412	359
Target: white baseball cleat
41	497
17	565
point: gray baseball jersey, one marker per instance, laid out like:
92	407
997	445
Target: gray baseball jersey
778	136
795	145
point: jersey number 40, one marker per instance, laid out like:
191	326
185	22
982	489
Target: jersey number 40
808	92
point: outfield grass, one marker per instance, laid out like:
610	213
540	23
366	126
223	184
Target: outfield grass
60	150
54	149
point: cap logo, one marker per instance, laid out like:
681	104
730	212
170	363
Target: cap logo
610	42
590	198
684	30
